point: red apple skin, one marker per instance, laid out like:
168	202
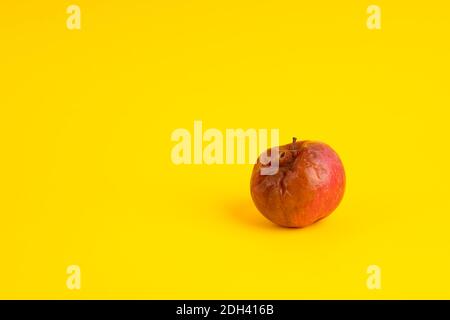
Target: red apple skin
308	186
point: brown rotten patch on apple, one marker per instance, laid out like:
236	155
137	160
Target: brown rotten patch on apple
307	187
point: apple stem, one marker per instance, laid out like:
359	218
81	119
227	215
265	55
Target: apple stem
294	139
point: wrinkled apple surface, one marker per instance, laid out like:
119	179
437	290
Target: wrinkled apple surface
308	186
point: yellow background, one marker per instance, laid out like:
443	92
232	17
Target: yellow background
86	176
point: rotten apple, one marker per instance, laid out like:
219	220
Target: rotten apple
308	185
